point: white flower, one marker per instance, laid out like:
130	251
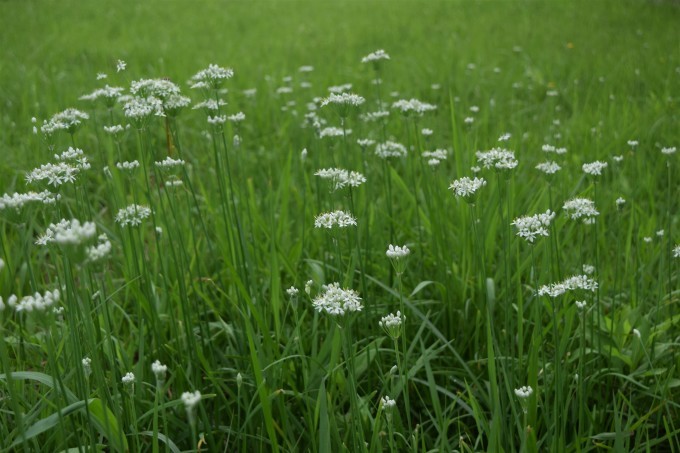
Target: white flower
620	202
594	168
505	137
169	162
68	232
676	251
101	75
127	165
647	239
391	324
211	77
120	65
128	379
141	108
341	178
426	132
617	158
330	219
99	251
18	200
668	151
365	142
387	403
660	233
637	334
531	226
397	252
549	167
2	264
390	149
114	130
336	301
577	282
580	304
581	208
632	143
337	89
524	392
159	370
346	99
69	120
407	107
306	68
469	120
292	291
333	132
191	400
588	269
87	365
217	119
375	56
498	158
552	149
467	188
132	215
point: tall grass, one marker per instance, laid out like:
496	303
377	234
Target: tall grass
197	249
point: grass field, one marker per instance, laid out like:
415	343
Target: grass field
465	243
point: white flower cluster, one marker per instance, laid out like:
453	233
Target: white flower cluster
71	162
466	187
210	104
528	227
129	166
140	108
435	157
370	117
552	149
211	77
390	149
217	119
330	219
36	302
668	151
336	301
409	106
397	252
237	117
159	88
676	251
348	99
113	130
99	251
191	399
498	158
524	392
18	200
169	162
108	93
378	55
387	403
128	379
391	320
132	215
581	208
549	167
68	232
365	142
341	178
159	370
570	284
337	89
333	132
68	121
594	168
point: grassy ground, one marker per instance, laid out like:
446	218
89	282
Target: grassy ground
202	285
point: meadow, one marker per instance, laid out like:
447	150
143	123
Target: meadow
408	226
